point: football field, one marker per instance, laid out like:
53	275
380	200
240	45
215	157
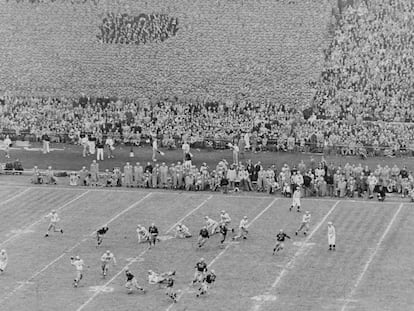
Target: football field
372	268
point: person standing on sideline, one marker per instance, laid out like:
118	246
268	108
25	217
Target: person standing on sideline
99	150
7	143
3	260
186	149
110	143
331	236
94	172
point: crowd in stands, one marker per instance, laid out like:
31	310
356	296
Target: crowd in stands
141	29
313	179
369	69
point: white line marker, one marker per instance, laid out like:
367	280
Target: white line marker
25	229
22	284
348	298
291	262
15	196
188	214
136	259
187	289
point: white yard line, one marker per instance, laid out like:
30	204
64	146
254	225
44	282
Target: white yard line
15	196
138	257
23	283
348	299
222	252
25	228
291	262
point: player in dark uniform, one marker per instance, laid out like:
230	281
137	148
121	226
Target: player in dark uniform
223	231
153	231
169	291
208	281
280	238
132	282
203	236
100	234
201	269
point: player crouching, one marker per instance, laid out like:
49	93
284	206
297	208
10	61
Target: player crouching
132	282
182	232
159	278
208	281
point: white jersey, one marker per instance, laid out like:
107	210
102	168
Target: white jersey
225	218
78	263
154	144
3	258
142	232
211	222
331	232
53	217
182	229
106	258
296	194
306	218
243	224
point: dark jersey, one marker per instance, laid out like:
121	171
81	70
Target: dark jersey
281	236
170	282
201	266
223	229
103	230
129	276
210	278
153	230
204	233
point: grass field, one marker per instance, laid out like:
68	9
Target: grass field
370	270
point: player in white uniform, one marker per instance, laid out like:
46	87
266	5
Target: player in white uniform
78	263
305	223
142	234
182	232
105	260
296	200
225	218
242	229
331	236
54	219
155	149
3	260
211	225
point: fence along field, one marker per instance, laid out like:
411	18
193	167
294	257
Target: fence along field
39	275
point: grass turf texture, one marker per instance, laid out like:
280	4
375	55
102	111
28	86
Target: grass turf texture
39	275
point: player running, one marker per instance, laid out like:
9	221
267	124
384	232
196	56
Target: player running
211	225
153	231
182	232
201	269
106	258
100	234
223	231
331	236
242	229
169	291
142	234
3	260
295	200
208	281
203	236
225	218
79	264
54	219
280	238
132	282
305	223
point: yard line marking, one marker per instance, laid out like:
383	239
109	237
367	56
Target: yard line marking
187	289
25	228
188	214
291	262
136	259
15	196
23	283
348	299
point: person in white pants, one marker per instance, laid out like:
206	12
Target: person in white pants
331	236
99	150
